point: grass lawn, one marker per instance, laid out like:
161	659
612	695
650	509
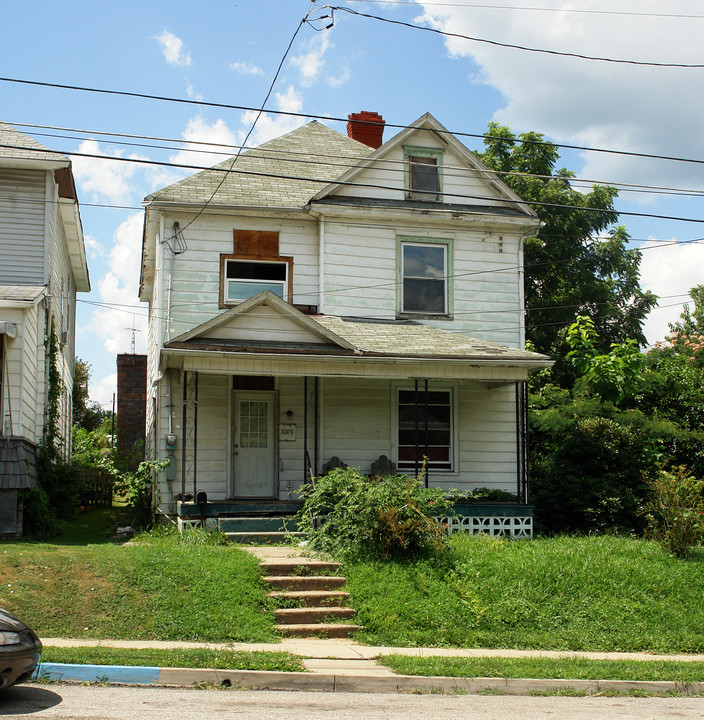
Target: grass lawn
587	593
158	588
187	658
562	669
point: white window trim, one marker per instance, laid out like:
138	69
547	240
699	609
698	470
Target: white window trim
453	389
226	280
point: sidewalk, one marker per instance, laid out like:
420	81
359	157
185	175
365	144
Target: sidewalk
345	666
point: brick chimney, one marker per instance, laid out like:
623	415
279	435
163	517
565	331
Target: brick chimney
366	127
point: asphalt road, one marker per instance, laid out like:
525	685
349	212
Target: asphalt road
72	702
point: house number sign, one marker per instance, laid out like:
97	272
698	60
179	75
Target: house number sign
287	433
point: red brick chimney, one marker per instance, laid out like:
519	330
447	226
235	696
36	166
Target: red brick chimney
366	127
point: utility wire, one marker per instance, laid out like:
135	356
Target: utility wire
426	209
328	118
329	161
415	3
444	33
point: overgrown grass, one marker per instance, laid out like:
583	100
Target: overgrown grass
588	593
569	668
183	658
160	588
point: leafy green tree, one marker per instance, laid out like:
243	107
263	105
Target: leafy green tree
86	413
573	265
611	376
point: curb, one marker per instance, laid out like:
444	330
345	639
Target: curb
331	682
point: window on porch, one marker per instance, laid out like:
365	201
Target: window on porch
427	426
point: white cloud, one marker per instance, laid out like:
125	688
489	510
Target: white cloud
93	247
190	91
340	79
118	289
669	271
244	68
198	130
627	107
310	64
101	391
105	179
271	126
172	47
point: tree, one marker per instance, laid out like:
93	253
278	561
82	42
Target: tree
573	265
86	413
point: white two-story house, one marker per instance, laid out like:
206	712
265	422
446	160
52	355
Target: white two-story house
42	267
335	297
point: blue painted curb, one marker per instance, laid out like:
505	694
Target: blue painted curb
98	673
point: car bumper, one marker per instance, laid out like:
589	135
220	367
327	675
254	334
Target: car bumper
17	665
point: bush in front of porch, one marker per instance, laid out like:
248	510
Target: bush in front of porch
349	514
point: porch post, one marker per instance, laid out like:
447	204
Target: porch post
427	460
305	428
183	437
522	441
195	441
417	422
315	426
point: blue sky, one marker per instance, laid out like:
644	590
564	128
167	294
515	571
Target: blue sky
229	52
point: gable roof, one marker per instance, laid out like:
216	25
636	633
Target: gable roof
330	334
285	172
471	161
20	150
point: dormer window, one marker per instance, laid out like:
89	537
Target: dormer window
423	173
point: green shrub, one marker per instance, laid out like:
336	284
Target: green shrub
348	514
590	476
675	510
484	494
137	488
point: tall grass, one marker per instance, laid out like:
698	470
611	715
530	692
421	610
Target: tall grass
590	593
158	588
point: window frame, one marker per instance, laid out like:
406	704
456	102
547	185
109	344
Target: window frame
452	390
403	241
287	283
436	154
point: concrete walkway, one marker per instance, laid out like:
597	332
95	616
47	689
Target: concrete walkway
344	665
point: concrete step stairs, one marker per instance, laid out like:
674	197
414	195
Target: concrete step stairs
313	585
261	538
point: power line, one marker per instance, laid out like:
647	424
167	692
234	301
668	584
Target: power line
328	118
271	154
496	43
413	3
426	209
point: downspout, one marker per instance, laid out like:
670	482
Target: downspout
321	265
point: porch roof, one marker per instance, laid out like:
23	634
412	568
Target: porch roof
352	346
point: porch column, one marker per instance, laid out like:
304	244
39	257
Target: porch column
522	480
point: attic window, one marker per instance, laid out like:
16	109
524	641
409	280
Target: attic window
246	278
423	173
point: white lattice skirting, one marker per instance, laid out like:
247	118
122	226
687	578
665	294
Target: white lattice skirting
516	527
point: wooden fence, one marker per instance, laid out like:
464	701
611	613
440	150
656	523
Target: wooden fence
97	487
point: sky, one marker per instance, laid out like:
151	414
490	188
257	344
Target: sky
228	53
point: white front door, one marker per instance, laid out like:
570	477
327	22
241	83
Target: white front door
253	444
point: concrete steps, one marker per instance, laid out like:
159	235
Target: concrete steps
313	586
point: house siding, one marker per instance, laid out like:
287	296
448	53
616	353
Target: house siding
22	212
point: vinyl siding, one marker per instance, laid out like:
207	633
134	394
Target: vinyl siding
22	211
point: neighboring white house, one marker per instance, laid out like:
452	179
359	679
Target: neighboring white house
321	297
42	266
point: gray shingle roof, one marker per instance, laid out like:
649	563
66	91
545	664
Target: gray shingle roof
21	293
299	158
414	339
23	147
17	464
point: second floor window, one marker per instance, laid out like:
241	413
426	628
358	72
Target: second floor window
424	278
246	278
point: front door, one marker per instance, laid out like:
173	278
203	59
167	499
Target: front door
253	444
